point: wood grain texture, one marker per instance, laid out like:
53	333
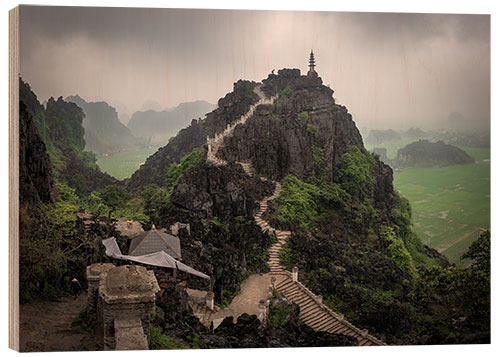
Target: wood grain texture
14	179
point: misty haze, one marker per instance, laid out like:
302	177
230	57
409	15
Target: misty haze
250	178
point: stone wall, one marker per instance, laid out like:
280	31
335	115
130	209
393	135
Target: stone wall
121	301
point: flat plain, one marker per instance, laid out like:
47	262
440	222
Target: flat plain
451	205
123	165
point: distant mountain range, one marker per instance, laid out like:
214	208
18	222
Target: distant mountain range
158	126
104	133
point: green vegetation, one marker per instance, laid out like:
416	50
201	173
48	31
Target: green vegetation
188	161
160	341
459	289
313	129
302	118
51	242
285	256
451	205
297	201
80	319
355	170
396	249
123	165
60	128
226	298
151	202
285	93
277	317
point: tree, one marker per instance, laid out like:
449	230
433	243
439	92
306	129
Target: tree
480	252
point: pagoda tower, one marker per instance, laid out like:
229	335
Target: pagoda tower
312	64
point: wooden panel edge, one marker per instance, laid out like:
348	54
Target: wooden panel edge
14	179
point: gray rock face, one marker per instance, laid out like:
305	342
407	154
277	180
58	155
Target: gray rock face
36	180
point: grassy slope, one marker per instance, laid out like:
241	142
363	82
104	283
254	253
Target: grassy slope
123	165
451	205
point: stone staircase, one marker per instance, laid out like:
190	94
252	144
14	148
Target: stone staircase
312	310
318	316
247	167
215	143
201	311
274	260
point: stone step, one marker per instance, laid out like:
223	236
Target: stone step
295	295
307	305
289	291
310	309
312	313
327	325
341	328
333	325
315	320
285	283
302	299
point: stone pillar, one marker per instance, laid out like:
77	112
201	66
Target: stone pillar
262	311
273	282
319	299
128	295
295	274
93	276
209	300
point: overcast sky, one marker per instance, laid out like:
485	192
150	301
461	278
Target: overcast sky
390	70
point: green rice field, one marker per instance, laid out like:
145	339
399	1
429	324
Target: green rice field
123	165
451	205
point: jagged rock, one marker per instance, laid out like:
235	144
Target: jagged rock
277	144
36	181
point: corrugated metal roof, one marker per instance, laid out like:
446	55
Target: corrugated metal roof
155	241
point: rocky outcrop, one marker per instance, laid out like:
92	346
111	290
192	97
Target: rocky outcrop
231	107
154	170
60	128
286	330
224	241
382	155
424	153
36	181
277	142
104	133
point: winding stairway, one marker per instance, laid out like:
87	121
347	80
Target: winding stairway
218	140
312	310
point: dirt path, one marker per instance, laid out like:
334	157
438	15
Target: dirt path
253	289
46	326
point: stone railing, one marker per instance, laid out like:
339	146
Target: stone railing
121	300
215	143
